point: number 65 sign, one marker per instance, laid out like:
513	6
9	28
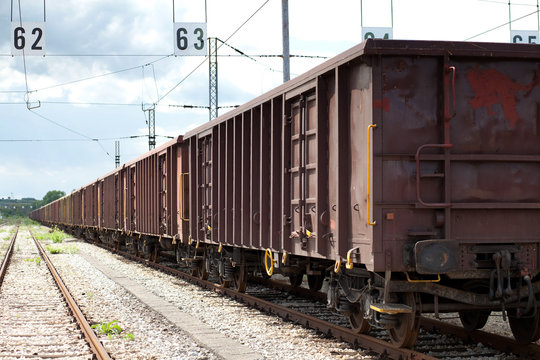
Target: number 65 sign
28	37
190	39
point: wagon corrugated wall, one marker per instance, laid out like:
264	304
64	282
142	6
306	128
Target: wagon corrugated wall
453	155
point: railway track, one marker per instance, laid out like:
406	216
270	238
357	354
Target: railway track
38	317
437	339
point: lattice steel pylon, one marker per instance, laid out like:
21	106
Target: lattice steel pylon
151	127
213	78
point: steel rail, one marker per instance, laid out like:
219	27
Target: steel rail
498	342
338	332
91	337
7	256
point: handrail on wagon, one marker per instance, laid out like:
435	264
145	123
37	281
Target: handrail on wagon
182	181
369	172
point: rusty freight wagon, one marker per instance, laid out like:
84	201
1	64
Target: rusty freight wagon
408	169
404	174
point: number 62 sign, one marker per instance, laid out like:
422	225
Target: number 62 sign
190	39
28	37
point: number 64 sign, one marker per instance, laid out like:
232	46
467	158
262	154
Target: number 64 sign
28	38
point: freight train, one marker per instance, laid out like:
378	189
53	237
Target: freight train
405	174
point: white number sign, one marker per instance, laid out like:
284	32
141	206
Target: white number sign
190	39
28	37
377	33
524	36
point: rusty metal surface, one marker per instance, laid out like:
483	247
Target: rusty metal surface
91	337
7	256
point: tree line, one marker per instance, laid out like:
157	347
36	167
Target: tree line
23	207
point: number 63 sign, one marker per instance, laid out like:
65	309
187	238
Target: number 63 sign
28	38
190	39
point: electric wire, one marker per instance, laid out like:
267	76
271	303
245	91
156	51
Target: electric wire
24	57
70	130
186	106
167	55
506	3
500	26
84	140
100	75
249	57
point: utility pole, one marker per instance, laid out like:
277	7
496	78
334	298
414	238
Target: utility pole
213	78
117	153
286	54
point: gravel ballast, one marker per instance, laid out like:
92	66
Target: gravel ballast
154	337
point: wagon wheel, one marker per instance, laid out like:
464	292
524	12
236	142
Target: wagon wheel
358	323
155	254
315	282
201	269
526	328
178	253
240	279
225	273
296	278
135	247
405	332
473	319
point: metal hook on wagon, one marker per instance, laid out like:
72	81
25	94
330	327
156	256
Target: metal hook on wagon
371	126
337	265
349	264
284	257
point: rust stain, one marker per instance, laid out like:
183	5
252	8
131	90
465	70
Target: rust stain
383	104
493	87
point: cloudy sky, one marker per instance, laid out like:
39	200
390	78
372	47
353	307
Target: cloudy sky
106	58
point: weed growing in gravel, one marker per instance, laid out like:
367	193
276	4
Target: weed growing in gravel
90	295
62	249
129	336
36	260
56	235
108	328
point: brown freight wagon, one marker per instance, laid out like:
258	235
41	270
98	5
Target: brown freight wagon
410	169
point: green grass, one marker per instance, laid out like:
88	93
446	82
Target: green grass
111	330
36	260
62	249
56	235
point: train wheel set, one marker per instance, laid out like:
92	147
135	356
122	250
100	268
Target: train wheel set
401	174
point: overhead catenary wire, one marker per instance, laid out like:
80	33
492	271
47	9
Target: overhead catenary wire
248	56
502	25
83	140
100	75
167	55
186	106
70	130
